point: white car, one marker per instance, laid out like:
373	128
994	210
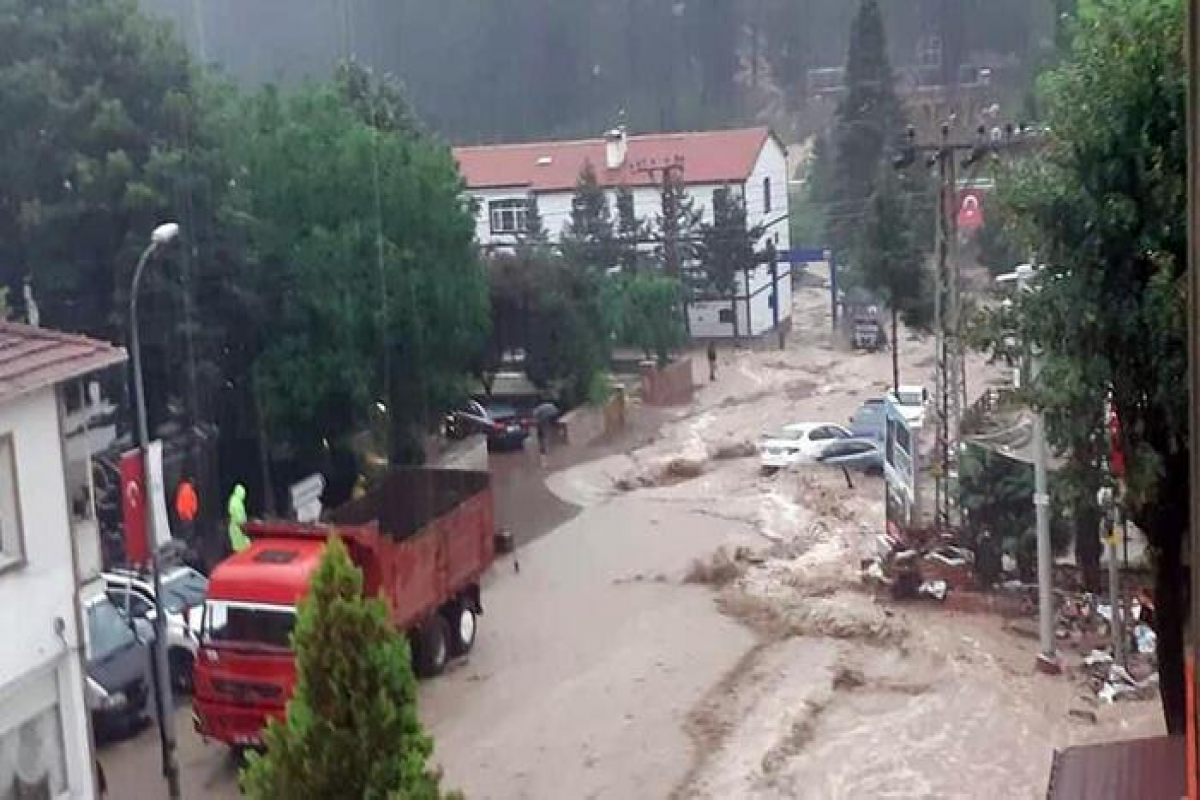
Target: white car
799	443
184	591
911	401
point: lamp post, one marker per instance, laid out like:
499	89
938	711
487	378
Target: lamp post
1023	276
161	236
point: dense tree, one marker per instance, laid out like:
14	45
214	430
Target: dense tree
107	131
726	248
351	728
386	300
869	119
1104	202
678	225
631	231
587	238
646	311
892	264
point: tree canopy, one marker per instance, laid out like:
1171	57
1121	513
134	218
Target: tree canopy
1104	205
386	300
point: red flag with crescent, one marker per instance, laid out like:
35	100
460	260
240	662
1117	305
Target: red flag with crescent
970	212
133	507
1116	455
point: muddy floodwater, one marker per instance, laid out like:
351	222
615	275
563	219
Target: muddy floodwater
627	659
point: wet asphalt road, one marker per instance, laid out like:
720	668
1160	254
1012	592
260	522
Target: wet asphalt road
132	765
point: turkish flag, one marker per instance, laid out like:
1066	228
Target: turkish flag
133	507
1116	456
970	212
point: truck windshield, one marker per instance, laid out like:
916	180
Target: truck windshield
252	624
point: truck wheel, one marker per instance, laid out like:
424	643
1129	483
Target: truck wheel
433	644
463	624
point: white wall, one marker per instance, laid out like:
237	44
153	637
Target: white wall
704	316
771	163
555	207
43	589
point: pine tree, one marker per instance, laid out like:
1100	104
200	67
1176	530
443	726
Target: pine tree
727	245
588	237
869	119
535	228
892	264
352	728
678	224
631	229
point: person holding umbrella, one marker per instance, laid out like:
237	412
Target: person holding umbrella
544	416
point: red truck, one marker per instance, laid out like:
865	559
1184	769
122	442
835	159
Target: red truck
422	539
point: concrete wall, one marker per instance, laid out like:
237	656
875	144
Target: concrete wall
34	655
668	386
587	424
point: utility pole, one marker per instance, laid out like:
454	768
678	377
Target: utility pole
947	348
950	380
671	173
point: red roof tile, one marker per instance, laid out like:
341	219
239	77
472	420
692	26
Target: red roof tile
708	157
32	358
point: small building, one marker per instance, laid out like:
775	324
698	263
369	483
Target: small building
502	179
49	548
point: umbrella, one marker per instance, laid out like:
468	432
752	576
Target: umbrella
545	412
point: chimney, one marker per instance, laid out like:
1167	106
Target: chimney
616	144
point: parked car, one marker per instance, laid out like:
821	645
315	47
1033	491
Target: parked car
503	426
184	590
870	420
860	453
118	652
911	401
798	443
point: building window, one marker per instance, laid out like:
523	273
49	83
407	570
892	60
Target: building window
508	216
766	195
725	315
32	762
12	538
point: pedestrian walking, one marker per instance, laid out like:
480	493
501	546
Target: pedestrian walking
238	541
712	361
544	416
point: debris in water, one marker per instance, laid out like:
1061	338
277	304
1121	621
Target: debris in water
719	570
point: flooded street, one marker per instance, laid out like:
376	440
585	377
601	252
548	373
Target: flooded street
603	671
676	624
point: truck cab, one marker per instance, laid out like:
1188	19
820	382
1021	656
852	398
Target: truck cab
245	670
423	539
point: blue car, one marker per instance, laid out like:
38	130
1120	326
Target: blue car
870	420
862	454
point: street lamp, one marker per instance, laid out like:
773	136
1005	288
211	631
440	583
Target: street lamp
161	236
1023	277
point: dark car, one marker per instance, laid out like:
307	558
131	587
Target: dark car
503	426
861	454
118	668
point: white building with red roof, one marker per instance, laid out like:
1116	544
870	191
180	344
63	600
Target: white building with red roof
49	553
502	178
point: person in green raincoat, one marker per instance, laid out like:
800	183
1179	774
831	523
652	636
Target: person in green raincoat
238	539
